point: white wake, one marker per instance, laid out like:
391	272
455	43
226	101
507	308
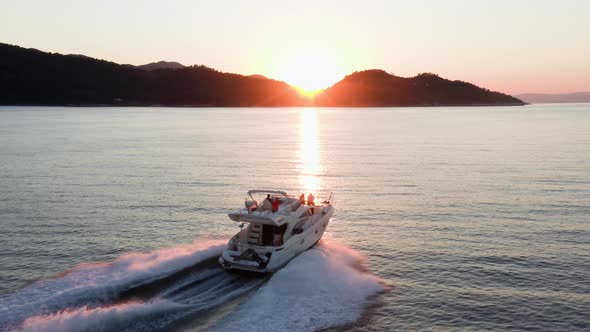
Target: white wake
321	288
106	318
93	284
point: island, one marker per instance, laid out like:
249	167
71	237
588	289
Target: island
33	77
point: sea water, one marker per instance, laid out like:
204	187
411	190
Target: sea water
450	218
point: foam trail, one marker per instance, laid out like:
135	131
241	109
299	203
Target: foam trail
94	284
132	316
321	288
107	318
202	280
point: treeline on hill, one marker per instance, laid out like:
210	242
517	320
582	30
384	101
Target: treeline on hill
30	76
33	77
374	88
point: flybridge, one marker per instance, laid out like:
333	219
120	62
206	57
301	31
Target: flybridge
253	212
261	191
264	218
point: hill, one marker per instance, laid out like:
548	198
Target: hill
32	77
161	65
543	98
377	88
258	76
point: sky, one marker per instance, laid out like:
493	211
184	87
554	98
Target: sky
515	46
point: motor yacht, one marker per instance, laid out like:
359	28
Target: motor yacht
274	232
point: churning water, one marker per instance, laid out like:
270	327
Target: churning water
446	218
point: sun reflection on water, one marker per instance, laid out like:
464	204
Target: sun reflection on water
309	152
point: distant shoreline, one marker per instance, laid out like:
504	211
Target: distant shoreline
555	98
278	106
35	78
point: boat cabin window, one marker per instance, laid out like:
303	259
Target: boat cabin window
301	224
272	235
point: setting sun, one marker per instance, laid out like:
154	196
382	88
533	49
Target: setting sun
309	70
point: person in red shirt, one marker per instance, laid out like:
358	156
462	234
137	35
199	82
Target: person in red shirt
275	204
310	199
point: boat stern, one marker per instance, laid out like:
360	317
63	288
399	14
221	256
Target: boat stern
248	260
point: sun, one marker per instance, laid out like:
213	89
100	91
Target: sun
309	70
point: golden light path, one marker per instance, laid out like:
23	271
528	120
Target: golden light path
309	152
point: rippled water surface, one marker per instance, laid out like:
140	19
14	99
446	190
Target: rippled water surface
446	218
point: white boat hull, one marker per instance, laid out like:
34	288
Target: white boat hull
280	256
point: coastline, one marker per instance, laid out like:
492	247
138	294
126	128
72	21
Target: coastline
261	106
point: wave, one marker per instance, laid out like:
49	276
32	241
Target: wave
98	283
325	286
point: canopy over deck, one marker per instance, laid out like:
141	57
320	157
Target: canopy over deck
259	191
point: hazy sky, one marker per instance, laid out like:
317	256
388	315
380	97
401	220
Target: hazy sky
512	46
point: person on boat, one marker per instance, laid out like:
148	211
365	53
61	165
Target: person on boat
251	205
275	204
277	240
310	199
267	204
302	198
